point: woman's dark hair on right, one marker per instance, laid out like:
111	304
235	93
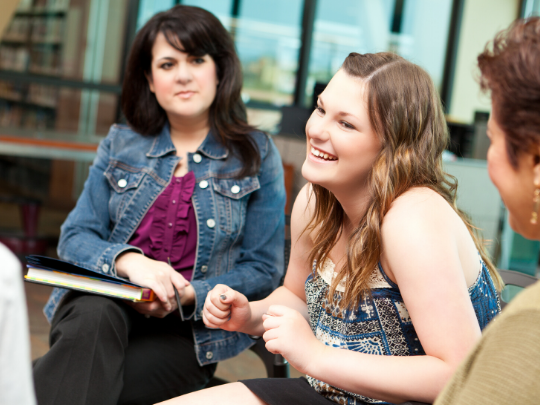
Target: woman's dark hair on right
197	32
510	69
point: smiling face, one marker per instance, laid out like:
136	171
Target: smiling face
516	185
341	144
184	85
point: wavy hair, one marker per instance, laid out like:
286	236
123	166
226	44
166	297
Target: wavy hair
405	112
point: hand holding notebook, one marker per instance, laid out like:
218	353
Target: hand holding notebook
59	273
157	309
155	274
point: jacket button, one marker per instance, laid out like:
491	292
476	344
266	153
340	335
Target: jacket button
122	183
197	158
235	189
209	355
204	269
105	268
203	184
210	223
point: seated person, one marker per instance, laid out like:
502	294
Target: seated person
187	196
504	367
387	287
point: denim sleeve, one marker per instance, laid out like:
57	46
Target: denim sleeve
85	233
260	266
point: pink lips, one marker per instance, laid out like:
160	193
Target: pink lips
185	94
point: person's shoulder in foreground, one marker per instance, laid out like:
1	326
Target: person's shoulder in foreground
504	367
16	387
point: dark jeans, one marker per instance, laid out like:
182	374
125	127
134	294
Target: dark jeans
104	352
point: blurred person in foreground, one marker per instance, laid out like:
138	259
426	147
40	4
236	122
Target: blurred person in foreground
16	387
504	367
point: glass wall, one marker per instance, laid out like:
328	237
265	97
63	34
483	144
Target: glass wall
147	8
221	8
414	29
54	48
530	8
267	36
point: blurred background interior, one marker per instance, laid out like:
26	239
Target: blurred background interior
62	65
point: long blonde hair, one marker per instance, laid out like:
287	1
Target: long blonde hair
405	111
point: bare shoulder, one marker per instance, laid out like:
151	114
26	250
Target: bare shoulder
419	220
419	208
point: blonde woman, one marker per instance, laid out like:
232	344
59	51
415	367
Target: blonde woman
387	287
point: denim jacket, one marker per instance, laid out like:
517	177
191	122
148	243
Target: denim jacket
240	221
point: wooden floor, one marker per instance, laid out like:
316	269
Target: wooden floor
246	365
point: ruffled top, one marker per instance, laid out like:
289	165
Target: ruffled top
168	231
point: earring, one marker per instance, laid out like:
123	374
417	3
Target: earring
536	206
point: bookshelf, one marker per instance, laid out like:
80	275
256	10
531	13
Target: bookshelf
61	70
32	44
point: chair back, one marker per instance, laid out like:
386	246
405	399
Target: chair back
514	278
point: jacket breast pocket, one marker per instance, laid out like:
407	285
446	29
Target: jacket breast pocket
232	196
124	180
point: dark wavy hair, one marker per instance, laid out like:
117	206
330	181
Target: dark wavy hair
197	32
510	68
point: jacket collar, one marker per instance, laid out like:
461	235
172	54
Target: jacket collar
163	145
212	148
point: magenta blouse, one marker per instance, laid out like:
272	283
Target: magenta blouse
169	228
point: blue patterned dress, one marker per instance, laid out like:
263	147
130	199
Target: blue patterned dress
380	324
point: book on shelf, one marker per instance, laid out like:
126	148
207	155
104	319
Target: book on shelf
59	273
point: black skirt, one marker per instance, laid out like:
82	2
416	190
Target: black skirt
283	391
297	391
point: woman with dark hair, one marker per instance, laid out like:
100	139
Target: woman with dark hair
186	197
387	286
504	367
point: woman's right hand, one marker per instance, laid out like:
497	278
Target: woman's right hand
226	308
158	276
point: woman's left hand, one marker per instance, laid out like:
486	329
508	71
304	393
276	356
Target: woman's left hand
156	308
289	334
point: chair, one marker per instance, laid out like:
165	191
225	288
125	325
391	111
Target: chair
275	364
515	278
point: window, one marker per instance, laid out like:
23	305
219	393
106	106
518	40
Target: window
414	29
58	57
147	8
530	8
220	8
267	37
